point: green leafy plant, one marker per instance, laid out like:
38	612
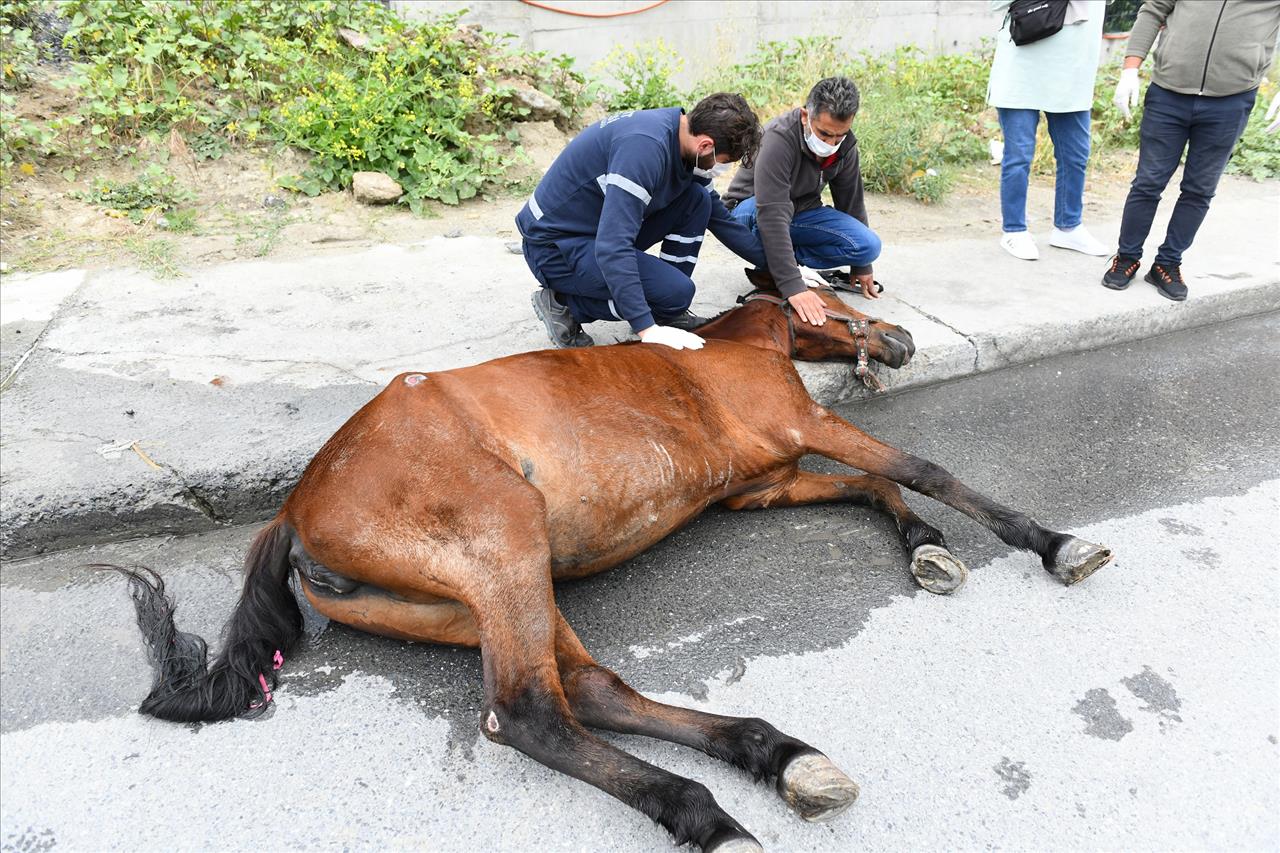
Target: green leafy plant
19	52
153	193
644	76
778	74
414	106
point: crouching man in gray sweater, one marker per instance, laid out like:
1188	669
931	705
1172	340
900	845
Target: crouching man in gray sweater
780	198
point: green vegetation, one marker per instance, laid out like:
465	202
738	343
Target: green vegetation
920	115
644	75
347	80
433	104
150	195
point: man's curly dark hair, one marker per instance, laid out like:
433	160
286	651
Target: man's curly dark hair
730	122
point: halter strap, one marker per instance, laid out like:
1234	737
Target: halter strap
857	328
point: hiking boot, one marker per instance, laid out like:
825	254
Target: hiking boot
1168	280
687	321
1120	275
564	331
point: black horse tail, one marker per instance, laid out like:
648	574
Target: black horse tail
264	626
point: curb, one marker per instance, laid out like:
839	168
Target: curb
163	502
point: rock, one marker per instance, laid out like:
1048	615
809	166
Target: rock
375	188
514	248
359	41
456	232
274	202
541	106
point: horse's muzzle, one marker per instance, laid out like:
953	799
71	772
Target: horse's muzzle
897	346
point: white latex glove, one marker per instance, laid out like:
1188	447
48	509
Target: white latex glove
1273	112
1126	97
812	278
671	337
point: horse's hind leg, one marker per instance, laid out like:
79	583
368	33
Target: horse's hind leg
510	596
1066	557
934	567
804	777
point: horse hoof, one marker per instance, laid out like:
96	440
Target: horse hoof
736	845
937	570
1076	559
815	788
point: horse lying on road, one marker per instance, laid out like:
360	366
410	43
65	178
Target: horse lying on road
444	510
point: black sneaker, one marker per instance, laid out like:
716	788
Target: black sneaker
688	321
564	331
1168	280
1123	269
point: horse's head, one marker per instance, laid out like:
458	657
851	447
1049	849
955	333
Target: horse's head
847	335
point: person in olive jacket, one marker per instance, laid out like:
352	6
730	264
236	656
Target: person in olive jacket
780	198
1208	65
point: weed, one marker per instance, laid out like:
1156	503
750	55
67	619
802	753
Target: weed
264	233
154	254
180	221
644	75
153	193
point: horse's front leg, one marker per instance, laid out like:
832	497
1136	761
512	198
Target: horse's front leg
934	567
1068	558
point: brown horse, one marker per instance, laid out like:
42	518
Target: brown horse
445	509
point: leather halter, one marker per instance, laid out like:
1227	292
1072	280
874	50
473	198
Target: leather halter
857	328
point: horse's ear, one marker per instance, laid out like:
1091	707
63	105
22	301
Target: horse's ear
760	278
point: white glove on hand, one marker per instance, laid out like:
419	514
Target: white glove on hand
1272	113
671	337
1126	97
812	278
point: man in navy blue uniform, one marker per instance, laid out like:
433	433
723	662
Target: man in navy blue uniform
626	183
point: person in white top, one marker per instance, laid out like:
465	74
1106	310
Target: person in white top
1055	76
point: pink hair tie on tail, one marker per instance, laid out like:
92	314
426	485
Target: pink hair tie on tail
277	661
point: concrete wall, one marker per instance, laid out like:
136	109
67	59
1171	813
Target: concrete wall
711	32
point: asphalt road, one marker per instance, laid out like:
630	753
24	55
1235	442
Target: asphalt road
1139	710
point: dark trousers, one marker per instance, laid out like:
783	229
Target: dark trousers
570	268
1208	128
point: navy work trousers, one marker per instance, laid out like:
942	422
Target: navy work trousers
569	267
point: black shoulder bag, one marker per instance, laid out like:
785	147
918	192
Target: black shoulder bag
1033	20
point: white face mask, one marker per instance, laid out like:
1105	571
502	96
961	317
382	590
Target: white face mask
716	170
817	146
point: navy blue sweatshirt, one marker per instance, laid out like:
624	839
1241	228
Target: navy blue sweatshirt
604	184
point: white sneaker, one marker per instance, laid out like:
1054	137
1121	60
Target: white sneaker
1020	244
1078	239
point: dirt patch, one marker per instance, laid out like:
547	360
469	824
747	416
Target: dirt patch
240	211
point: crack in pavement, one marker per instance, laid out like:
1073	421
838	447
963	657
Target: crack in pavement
53	318
152	356
976	351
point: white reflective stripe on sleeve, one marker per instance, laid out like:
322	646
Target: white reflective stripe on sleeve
680	238
613	310
676	259
626	184
534	209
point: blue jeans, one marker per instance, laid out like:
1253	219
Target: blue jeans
569	267
1070	135
822	237
1208	128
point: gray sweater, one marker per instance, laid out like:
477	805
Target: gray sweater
787	179
1209	47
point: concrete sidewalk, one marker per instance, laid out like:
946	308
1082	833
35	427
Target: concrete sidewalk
134	406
